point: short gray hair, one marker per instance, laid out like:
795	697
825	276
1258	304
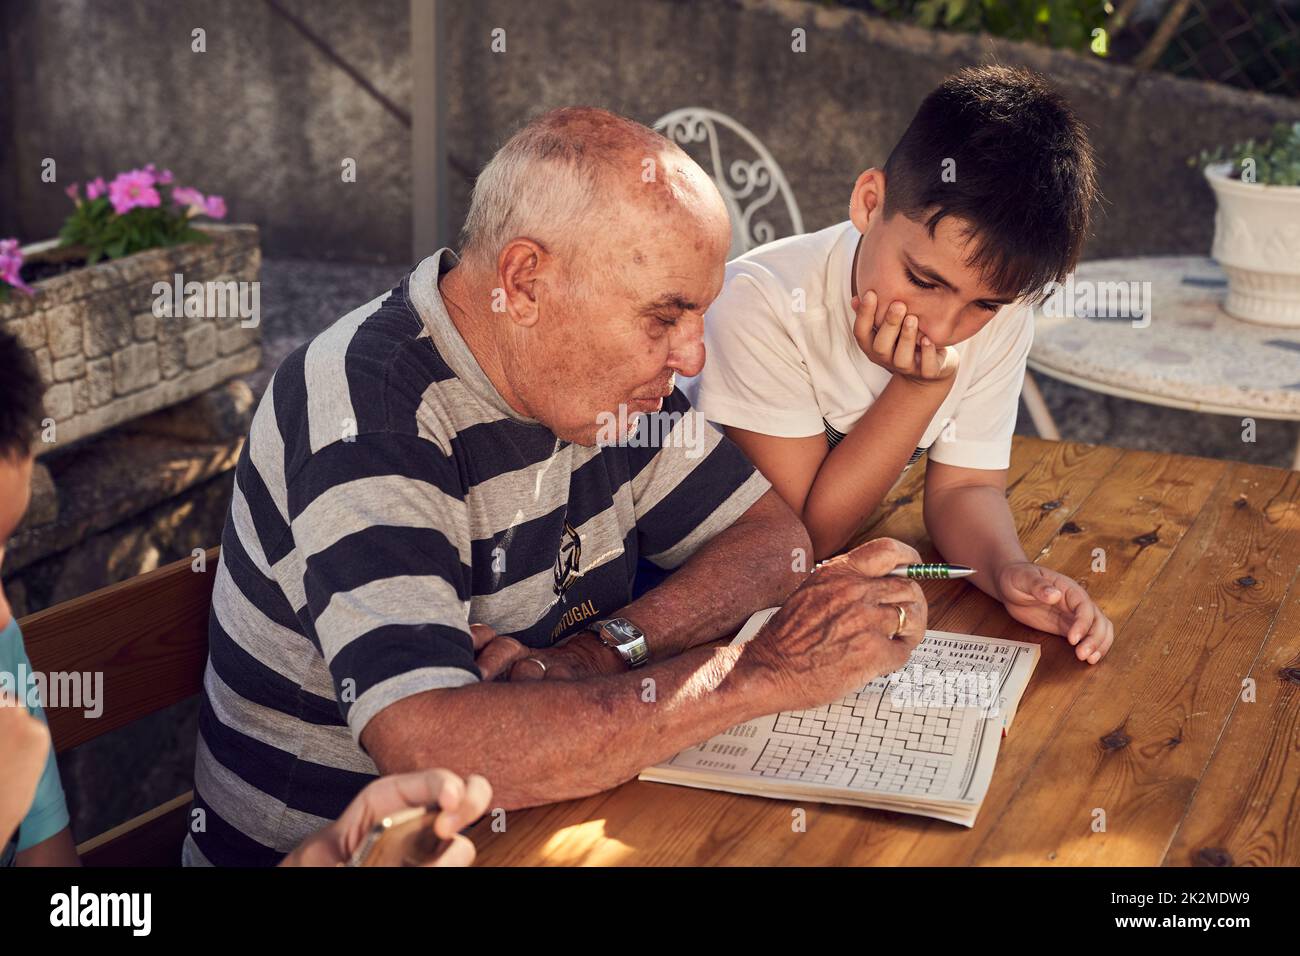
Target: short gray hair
550	180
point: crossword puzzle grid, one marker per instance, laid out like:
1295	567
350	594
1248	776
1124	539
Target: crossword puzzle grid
879	747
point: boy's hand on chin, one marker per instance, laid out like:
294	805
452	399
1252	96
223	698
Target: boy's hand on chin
897	343
1051	602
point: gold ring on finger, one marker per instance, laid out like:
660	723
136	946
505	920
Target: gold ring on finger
902	620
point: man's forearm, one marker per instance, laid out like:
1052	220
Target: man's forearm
752	565
542	741
860	470
972	525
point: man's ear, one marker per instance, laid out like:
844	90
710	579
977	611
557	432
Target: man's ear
867	204
519	266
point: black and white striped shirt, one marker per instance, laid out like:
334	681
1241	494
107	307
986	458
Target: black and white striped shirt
386	496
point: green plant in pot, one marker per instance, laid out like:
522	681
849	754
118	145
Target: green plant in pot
1256	186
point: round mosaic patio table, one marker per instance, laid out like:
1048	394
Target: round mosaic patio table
1154	330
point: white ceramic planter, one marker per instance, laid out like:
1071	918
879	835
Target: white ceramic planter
1257	241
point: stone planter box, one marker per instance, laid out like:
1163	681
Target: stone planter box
106	355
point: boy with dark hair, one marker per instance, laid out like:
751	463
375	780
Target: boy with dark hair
833	386
43	837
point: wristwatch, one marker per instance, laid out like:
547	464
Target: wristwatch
624	637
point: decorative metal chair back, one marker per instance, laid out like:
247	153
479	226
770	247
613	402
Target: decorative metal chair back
748	186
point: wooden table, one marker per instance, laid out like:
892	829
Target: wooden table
1201	581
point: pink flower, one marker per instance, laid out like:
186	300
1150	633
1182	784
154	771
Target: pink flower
191	197
96	188
11	260
71	192
132	189
215	207
166	178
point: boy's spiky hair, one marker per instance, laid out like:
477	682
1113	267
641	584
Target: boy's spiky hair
20	399
1022	174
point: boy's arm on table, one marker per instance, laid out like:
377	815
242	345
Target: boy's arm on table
834	490
969	521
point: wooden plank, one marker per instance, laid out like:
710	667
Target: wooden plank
572	833
1244	811
1140	732
151	839
148	636
900	514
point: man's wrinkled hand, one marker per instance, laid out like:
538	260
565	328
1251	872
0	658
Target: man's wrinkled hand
501	657
579	657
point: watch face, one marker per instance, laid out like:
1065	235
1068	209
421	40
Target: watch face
626	638
622	630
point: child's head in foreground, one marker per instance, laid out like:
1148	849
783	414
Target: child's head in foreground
985	200
20	419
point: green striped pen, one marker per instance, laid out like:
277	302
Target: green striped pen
926	572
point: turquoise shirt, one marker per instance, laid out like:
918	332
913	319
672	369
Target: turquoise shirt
49	811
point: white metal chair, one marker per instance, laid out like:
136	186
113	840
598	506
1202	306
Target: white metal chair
748	186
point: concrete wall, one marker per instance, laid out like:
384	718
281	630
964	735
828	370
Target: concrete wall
265	118
261	117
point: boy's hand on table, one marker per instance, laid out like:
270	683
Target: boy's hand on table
1052	602
898	344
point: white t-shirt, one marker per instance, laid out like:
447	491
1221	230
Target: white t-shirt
781	358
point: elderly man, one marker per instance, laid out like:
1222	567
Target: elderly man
430	550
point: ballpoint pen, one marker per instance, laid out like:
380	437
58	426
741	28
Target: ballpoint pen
928	571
